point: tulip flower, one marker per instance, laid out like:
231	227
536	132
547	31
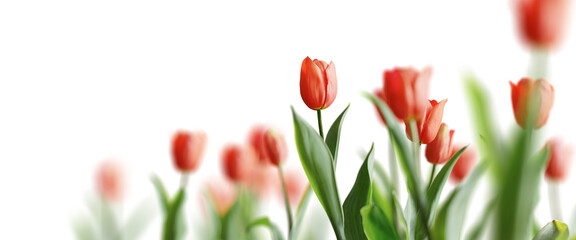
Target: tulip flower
406	92
439	150
318	84
256	140
188	149
429	125
539	93
560	157
238	162
540	22
464	164
276	147
110	181
222	194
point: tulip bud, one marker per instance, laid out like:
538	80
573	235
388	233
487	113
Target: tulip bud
464	164
428	127
276	147
238	162
559	160
438	151
318	84
406	92
110	181
539	93
541	22
188	149
222	194
256	140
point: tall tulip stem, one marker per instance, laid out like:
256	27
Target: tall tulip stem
538	64
393	165
416	146
320	130
184	179
286	202
554	200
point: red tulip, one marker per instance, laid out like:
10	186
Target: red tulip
539	92
238	162
541	21
406	92
318	84
188	149
438	151
464	164
110	181
428	127
222	194
276	147
256	140
560	157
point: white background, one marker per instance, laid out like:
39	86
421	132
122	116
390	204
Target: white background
84	81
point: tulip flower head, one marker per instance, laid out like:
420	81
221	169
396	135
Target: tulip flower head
188	149
464	164
238	162
532	96
559	160
276	147
406	92
256	140
541	22
222	194
439	150
110	181
429	125
318	85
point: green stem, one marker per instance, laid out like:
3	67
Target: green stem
538	64
286	202
416	146
554	200
320	130
432	174
393	165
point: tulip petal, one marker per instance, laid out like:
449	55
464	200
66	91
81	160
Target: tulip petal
312	84
331	85
433	121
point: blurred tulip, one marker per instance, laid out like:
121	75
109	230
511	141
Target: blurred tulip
188	149
541	22
256	140
296	185
110	181
464	164
222	195
526	91
238	162
560	158
406	92
438	151
318	85
428	127
276	147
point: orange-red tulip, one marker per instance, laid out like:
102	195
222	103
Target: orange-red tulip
541	22
439	150
238	162
222	194
560	158
256	140
276	147
318	85
188	149
406	92
539	92
428	126
110	181
464	164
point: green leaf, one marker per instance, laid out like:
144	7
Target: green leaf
138	221
317	162
554	230
275	232
333	136
376	225
358	197
162	193
84	229
477	229
300	213
172	226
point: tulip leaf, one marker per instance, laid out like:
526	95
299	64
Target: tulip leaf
275	232
84	229
433	193
554	230
300	213
387	201
359	196
376	224
333	136
478	228
138	221
318	165
172	224
162	193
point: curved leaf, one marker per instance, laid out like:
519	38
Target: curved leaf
275	232
554	230
162	193
433	193
376	225
333	136
172	225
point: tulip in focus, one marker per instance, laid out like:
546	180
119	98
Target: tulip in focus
464	164
541	22
110	181
238	162
429	125
188	149
276	147
439	151
406	92
256	140
537	92
318	84
222	195
560	157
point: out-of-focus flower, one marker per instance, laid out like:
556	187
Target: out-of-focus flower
464	164
238	162
541	22
110	181
296	185
438	151
256	140
276	147
528	91
263	180
428	127
222	195
188	149
560	158
406	92
318	85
